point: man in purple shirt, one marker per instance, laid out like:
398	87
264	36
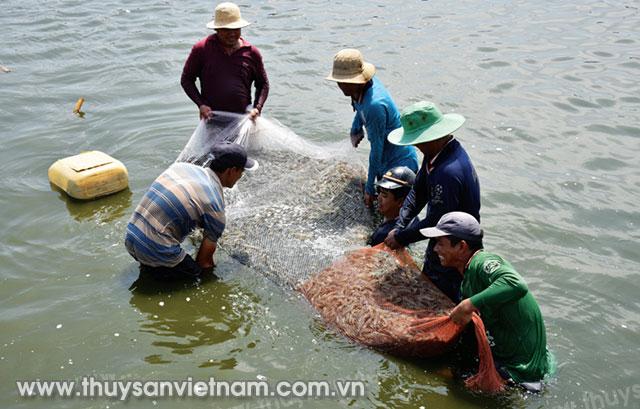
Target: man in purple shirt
226	65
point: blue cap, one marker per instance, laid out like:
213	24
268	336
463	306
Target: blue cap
231	155
458	224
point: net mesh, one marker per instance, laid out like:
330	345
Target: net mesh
223	127
379	298
300	211
372	296
300	220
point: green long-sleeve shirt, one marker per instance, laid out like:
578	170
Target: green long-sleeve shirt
511	316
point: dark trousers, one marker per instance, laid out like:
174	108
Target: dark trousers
187	269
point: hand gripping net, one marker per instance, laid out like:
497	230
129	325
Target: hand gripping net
300	211
223	127
379	298
300	220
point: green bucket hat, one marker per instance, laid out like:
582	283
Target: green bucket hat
423	122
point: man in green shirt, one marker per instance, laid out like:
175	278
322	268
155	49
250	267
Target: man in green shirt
494	289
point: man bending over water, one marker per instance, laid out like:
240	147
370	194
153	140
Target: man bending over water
182	198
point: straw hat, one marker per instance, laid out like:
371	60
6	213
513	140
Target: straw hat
423	122
227	15
349	66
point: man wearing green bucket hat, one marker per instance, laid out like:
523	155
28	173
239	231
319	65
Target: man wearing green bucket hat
446	182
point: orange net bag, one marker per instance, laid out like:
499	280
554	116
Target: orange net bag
379	298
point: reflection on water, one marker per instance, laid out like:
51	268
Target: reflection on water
553	109
436	381
103	209
184	316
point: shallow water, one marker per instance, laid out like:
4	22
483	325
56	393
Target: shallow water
552	102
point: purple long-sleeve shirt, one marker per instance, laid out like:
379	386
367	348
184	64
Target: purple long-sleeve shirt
225	80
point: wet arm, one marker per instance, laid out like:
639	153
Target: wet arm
415	201
261	84
205	253
376	131
190	73
356	125
505	286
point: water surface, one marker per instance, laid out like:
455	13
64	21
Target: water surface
552	102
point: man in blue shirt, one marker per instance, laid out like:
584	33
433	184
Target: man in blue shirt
446	182
182	198
376	112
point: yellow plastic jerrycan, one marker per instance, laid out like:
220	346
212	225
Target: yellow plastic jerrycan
89	175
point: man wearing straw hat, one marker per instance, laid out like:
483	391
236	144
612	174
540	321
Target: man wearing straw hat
227	65
376	112
446	182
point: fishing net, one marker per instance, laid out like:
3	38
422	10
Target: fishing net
379	298
296	216
222	127
300	220
300	211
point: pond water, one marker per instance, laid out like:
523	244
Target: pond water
551	95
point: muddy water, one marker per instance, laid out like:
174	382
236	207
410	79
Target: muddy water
552	102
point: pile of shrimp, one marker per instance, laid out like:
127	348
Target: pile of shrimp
376	296
379	298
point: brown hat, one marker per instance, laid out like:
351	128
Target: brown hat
227	15
349	66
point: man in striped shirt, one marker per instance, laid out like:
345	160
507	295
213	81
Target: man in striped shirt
182	198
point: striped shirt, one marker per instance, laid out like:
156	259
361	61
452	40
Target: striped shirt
181	199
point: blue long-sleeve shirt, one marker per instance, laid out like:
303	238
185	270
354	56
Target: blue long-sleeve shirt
450	185
379	115
381	232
